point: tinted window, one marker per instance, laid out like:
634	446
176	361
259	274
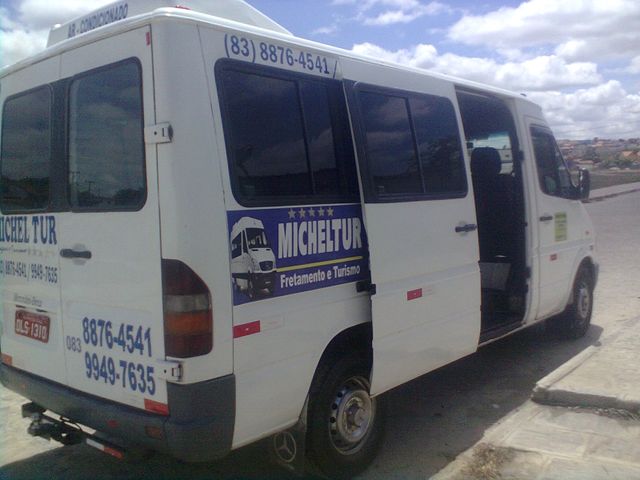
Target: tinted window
286	136
412	145
267	136
552	171
438	145
236	246
106	141
391	154
26	151
322	153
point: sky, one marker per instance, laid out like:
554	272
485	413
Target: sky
578	59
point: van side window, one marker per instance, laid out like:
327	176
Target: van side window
412	145
106	139
26	151
285	136
553	174
236	246
438	145
391	154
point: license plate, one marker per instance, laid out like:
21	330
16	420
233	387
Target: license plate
32	325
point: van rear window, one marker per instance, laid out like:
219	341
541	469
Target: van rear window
26	151
106	139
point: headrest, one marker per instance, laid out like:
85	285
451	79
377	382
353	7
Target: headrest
485	162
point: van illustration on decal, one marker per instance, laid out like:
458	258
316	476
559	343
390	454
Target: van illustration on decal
253	264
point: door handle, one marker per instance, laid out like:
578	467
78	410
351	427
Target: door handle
546	218
71	253
469	227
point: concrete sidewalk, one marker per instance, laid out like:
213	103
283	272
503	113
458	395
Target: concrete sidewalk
613	191
588	427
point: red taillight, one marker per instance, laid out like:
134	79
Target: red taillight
188	317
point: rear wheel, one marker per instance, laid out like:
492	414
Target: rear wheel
575	320
345	422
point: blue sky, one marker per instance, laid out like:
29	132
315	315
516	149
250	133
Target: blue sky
579	59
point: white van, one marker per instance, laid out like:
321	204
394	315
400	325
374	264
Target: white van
252	260
400	219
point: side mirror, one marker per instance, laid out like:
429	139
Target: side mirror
584	184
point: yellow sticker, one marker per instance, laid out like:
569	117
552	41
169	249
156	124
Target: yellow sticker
561	226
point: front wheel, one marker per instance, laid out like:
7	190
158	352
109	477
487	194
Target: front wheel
345	422
575	320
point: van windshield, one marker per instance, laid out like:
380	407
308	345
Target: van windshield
256	238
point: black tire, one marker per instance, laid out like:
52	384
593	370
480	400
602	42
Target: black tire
251	289
346	425
575	320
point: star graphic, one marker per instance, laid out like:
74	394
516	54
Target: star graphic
330	211
302	213
292	213
312	212
321	212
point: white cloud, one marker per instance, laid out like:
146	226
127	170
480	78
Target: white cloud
42	14
326	30
602	109
606	110
389	12
27	34
17	44
406	13
581	29
539	73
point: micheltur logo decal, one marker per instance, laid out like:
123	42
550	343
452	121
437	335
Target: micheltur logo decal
281	251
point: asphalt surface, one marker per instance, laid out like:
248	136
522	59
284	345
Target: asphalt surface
430	420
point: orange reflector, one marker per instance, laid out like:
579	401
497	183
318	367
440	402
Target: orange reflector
7	359
156	407
413	294
154	432
187	323
246	329
113	452
104	448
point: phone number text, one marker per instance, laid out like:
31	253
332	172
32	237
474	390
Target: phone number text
237	46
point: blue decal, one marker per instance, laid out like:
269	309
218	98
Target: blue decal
281	251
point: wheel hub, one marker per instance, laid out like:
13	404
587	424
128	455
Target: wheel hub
583	301
351	415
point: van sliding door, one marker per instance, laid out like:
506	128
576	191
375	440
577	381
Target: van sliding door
420	221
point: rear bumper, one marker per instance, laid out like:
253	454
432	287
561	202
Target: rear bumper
200	427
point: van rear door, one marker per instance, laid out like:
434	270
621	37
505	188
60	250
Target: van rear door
420	221
32	335
109	240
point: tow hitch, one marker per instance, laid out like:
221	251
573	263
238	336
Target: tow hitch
50	428
64	431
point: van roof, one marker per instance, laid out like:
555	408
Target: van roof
122	14
237	10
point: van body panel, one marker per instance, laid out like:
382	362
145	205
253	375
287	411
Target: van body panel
193	222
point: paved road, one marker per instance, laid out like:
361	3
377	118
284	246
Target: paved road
430	420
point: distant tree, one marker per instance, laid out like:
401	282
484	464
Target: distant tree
591	154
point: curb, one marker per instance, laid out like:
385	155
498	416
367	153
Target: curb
606	196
